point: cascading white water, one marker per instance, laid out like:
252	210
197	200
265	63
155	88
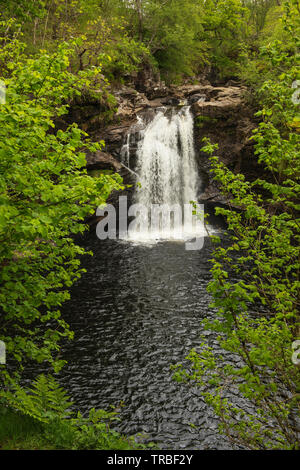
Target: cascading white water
166	160
167	171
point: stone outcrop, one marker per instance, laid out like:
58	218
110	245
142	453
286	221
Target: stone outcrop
102	161
91	110
223	116
219	102
131	102
114	136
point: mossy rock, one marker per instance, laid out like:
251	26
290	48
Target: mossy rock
202	121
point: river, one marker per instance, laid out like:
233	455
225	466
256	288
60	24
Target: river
136	311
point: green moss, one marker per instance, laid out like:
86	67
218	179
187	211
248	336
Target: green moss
201	121
97	173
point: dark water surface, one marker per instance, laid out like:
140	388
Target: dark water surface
136	311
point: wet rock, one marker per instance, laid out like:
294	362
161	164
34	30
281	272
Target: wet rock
160	91
127	92
102	161
114	135
185	91
170	101
197	97
130	102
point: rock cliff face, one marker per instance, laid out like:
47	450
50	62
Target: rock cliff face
224	117
221	114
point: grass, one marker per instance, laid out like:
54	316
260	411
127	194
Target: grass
19	432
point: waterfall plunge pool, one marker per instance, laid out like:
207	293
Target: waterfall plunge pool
136	311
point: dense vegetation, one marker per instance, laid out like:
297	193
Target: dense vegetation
55	50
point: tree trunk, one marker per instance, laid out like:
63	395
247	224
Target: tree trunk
138	4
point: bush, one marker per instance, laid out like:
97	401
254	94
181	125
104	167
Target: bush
42	417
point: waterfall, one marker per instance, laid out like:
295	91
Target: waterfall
166	160
166	165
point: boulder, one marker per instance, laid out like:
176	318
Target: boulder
197	97
102	161
220	102
130	102
159	91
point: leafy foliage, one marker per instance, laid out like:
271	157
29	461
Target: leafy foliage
45	401
45	196
255	284
46	408
180	37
